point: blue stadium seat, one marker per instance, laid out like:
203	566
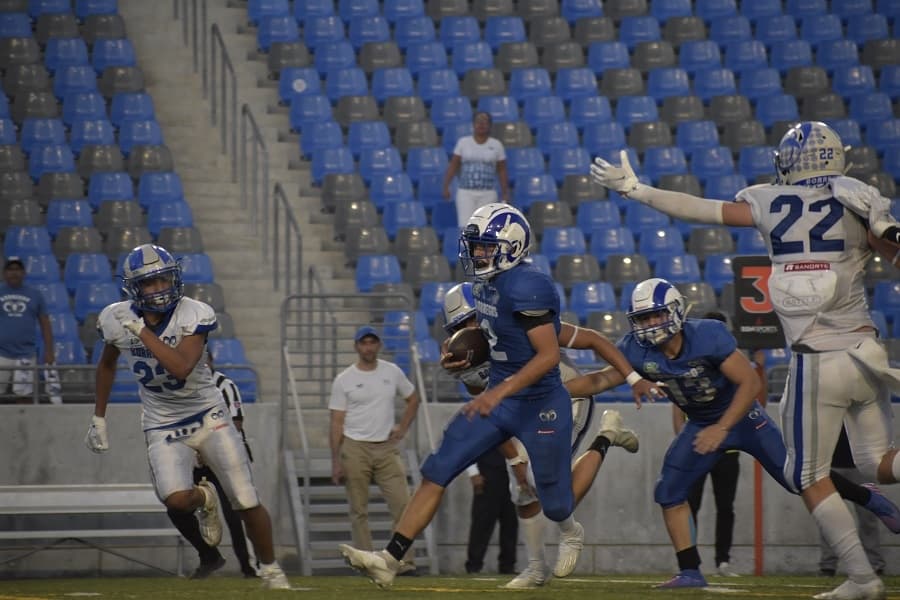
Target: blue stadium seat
431	302
15	25
558	241
40	267
503	109
657	241
849	130
346	82
573	10
331	160
541	110
699	55
37	8
86	8
713	9
886	297
886	135
395	81
399	326
677	268
318	136
273	30
636	109
425	161
382	160
533	188
640	216
612	240
321	29
750	241
890	163
109	186
714	82
782	107
524	161
365	135
755	161
551	136
718	271
608	55
837	54
73	79
775	29
585	110
64	326
55	295
39	132
139	133
862	28
450	241
436	83
854	80
541	263
816	29
364	30
390	188
113	53
450	109
297	82
589	297
664	160
309	109
68	213
51	158
304	11
759	9
574	83
503	29
889	80
374	269
131	105
352	9
693	135
65	52
709	162
430	192
395	10
94	132
257	9
330	56
458	29
529	82
746	55
169	214
724	187
665	82
228	351
569	161
94	296
871	109
634	30
726	30
83	105
423	56
805	8
784	56
8	132
196	268
409	31
452	132
757	83
664	10
85	267
154	188
596	215
403	214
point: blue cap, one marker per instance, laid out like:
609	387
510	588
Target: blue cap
364	331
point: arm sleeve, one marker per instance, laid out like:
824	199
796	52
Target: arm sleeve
679	205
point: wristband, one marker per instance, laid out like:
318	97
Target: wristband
632	378
516	460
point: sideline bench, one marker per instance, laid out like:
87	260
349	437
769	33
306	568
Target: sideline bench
70	501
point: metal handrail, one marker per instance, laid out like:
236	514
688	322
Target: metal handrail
292	240
225	85
258	199
197	29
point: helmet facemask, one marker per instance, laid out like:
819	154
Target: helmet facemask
150	263
656	297
496	238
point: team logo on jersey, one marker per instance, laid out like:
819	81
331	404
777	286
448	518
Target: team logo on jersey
651	367
14	306
547	416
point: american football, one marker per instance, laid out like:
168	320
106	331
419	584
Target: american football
469	344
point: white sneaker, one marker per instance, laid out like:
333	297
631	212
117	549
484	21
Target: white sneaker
612	429
208	514
850	590
569	550
725	570
380	566
274	578
535	575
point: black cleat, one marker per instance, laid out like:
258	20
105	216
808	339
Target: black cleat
205	569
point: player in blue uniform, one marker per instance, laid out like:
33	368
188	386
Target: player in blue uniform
716	386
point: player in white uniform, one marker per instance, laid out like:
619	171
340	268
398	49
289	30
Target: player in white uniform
163	337
819	228
459	312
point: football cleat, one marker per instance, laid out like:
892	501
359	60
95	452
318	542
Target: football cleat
569	550
724	569
380	566
208	514
850	590
688	578
274	578
883	508
205	569
535	575
611	428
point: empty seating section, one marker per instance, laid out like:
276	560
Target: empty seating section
85	175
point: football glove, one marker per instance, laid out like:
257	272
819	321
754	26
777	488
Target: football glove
96	438
129	320
620	179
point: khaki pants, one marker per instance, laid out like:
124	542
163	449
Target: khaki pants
365	463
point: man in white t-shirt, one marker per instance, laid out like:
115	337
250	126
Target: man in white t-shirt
480	162
364	436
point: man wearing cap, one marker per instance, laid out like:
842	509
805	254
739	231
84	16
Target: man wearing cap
364	436
21	306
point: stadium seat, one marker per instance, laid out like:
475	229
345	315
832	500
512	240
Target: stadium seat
139	133
503	109
257	9
422	133
724	187
849	130
450	109
425	161
726	30
228	351
318	136
516	55
574	268
679	30
309	109
789	54
413	30
14	25
387	188
871	109
889	80
116	80
580	188
541	110
639	217
114	53
677	268
774	29
458	29
557	241
527	83
694	135
574	83
836	54
55	295
65	52
40	267
653	55
745	55
424	56
103	27
15	185
541	263
436	83
596	215
660	161
636	29
755	162
347	82
331	160
368	29
886	135
322	29
303	11
618	83
886	297
556	135
816	29
622	269
94	296
524	161
587	297
548	31
714	82
361	135
863	28
169	214
709	162
656	242
374	269
68	213
718	271
585	110
564	55
79	238
83	105
852	81
85	267
276	29
758	83
665	82
533	188
50	158
608	55
568	161
298	82
636	109
352	9
771	109
95	132
499	30
331	56
750	241
41	132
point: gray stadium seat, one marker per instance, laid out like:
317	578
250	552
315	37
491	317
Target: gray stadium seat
548	214
26	78
564	55
62	25
11	159
701	298
20	212
81	240
149	159
103	27
578	188
115	80
653	55
180	240
726	110
568	316
283	55
594	29
649	135
513	134
438	9
881	53
704	241
424	268
415	240
225	327
516	55
87	331
626	268
882	181
362	241
677	109
121	241
726	298
404	300
678	30
681	183
537	9
113	214
862	160
338	188
823	107
379	55
576	268
548	30
878	269
415	135
100	159
613	324
777	131
616	83
484	9
15	185
40	105
19	6
355	108
59	185
19	51
624	8
358	213
483	82
745	133
210	293
806	81
403	109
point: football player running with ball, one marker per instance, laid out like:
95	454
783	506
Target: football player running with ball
820	228
518	308
163	336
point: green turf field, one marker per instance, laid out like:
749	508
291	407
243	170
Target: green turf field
618	587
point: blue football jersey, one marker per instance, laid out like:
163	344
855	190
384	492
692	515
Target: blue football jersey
520	289
693	378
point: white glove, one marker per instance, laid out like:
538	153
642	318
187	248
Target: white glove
620	179
96	438
129	320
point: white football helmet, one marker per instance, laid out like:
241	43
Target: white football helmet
653	296
502	233
809	154
152	262
459	306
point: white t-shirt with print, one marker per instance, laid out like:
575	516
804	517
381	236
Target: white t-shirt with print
478	162
367	398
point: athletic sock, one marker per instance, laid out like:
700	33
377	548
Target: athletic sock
688	558
398	546
601	445
839	530
850	491
533	534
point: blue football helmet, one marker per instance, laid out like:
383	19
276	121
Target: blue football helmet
810	153
152	262
459	307
502	232
653	296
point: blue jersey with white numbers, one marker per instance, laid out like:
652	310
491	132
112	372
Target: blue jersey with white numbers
693	378
522	289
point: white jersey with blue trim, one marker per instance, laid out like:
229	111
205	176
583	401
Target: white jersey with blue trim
165	399
819	252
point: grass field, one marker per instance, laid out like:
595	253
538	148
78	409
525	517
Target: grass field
621	587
